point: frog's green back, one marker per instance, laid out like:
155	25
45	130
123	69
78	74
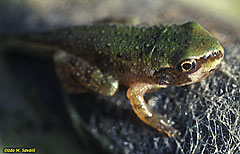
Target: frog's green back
140	51
118	42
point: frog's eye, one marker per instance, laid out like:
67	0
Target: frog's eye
187	66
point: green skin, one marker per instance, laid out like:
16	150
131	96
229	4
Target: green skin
98	58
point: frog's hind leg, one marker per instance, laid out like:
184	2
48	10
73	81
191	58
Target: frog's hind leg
135	94
79	76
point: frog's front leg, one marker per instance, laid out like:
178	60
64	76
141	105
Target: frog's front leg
135	94
78	75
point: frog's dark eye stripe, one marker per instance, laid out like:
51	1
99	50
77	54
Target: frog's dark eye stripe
187	65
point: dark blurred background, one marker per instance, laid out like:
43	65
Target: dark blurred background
36	112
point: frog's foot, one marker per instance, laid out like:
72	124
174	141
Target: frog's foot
135	95
77	74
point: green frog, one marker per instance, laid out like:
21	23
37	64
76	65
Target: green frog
97	58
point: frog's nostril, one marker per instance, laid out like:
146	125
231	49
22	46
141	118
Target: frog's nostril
220	52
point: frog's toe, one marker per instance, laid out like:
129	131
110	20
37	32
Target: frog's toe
111	86
163	125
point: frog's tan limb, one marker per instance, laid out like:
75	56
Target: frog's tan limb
76	74
135	94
